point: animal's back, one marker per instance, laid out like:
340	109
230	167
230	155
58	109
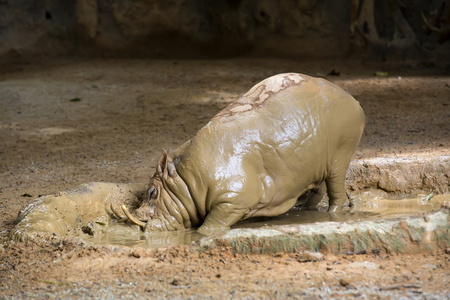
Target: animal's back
274	143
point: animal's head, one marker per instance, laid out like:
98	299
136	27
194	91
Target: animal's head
154	202
148	207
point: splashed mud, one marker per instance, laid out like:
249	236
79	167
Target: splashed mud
85	209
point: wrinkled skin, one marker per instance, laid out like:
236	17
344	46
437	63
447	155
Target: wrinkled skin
284	137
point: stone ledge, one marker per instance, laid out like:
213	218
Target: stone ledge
425	233
401	175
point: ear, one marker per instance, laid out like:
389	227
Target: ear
162	164
171	168
166	168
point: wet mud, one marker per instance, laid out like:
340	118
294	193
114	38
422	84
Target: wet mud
85	209
89	212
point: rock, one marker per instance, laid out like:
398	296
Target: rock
138	26
93	228
305	256
175	282
138	253
401	174
86	12
89	228
346	283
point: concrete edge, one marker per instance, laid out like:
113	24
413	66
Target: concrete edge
401	174
425	233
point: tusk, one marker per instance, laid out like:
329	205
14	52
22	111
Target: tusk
132	218
121	218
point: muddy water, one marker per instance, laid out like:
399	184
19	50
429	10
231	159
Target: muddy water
132	236
369	205
390	206
86	212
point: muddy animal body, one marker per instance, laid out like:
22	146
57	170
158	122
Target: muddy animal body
284	137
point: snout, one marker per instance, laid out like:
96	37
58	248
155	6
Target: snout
144	213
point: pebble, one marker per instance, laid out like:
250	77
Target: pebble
305	256
346	283
137	253
175	282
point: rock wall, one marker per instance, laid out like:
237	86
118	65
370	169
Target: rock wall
201	28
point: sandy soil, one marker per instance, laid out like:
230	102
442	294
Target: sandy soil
69	122
62	269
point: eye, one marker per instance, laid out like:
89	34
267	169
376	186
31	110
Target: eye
152	193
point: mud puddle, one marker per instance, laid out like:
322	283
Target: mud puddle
370	205
129	235
132	236
389	206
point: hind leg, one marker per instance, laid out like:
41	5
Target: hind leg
314	197
336	185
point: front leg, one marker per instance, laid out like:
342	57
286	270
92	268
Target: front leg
224	214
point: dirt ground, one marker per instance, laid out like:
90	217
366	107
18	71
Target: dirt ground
63	269
75	121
